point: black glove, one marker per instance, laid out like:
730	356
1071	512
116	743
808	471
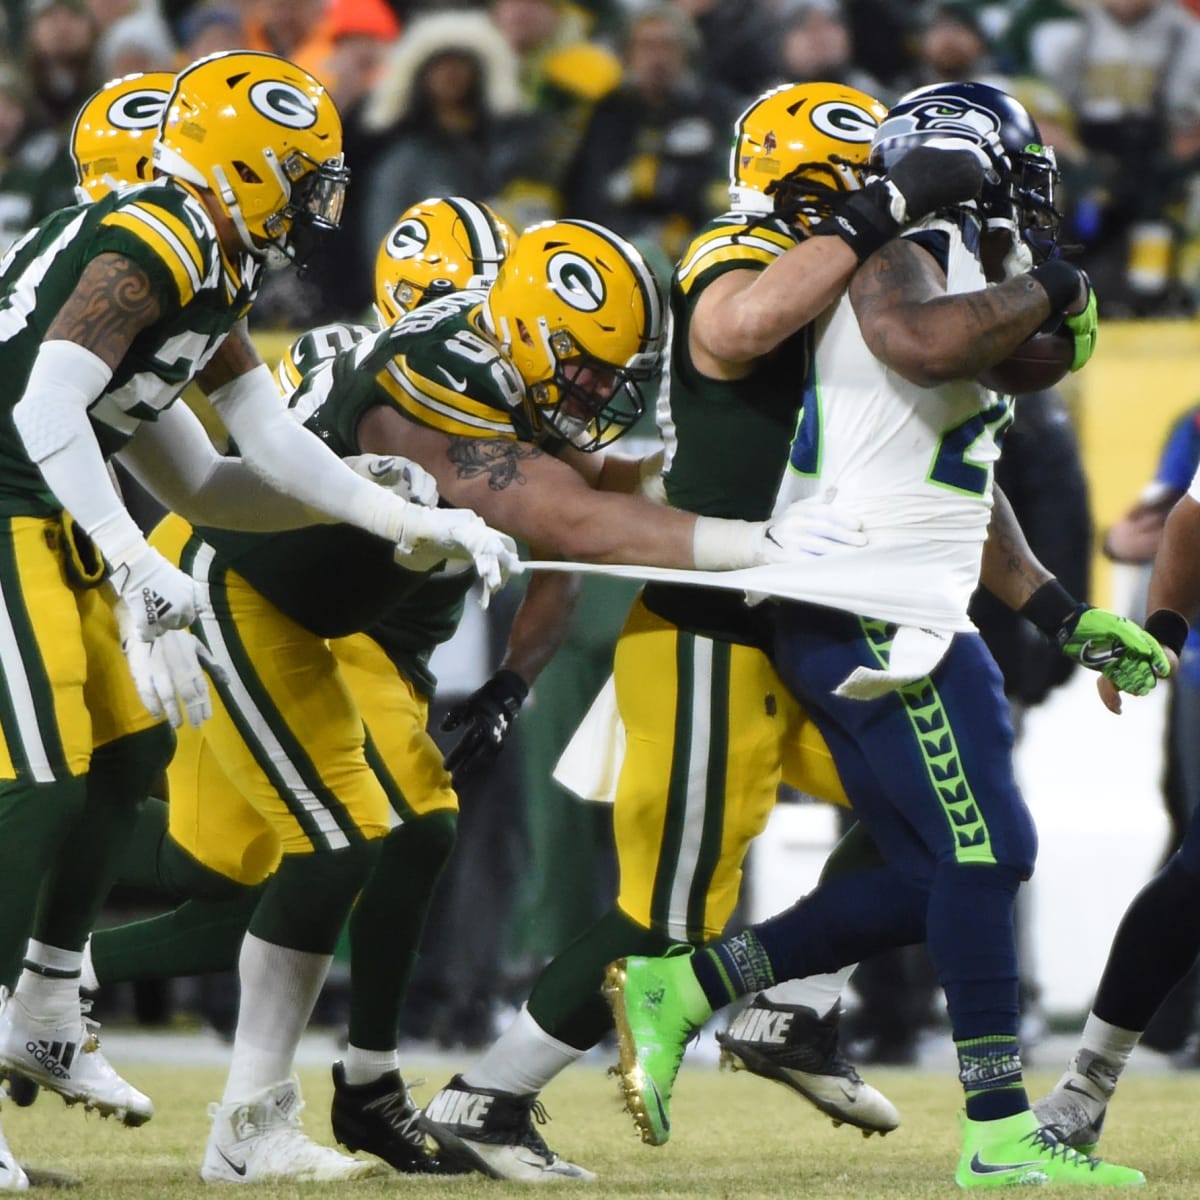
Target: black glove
489	714
924	180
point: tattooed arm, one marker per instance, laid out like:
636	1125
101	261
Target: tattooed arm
929	337
534	496
1010	571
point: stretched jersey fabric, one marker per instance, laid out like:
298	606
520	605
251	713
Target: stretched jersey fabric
914	463
165	230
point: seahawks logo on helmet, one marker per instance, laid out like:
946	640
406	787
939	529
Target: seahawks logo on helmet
575	281
283	103
409	239
942	114
847	122
137	110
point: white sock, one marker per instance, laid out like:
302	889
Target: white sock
366	1066
1109	1043
51	991
523	1059
818	992
88	979
279	988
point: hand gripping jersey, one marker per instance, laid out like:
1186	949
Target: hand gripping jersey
914	463
335	580
165	230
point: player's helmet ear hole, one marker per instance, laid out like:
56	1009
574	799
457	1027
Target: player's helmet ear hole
246	173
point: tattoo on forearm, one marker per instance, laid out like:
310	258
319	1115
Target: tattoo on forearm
497	458
235	356
111	304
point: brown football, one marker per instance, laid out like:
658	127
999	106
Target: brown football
1036	364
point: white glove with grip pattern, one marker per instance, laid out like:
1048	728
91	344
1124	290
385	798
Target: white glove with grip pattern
169	673
433	535
400	475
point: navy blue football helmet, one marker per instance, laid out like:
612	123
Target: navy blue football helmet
1019	190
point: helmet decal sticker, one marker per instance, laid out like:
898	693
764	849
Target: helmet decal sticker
409	239
137	110
283	103
575	281
840	119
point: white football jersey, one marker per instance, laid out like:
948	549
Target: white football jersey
915	464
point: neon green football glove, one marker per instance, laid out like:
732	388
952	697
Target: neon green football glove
1084	329
1123	652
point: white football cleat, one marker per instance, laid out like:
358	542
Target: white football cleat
12	1178
64	1056
260	1138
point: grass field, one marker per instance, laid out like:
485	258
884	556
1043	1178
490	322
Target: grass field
736	1136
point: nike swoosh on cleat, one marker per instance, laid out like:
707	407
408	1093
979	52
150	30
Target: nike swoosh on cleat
982	1168
662	1112
1070	1087
236	1168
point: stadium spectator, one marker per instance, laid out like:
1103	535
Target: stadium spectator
209	28
740	44
1131	71
653	159
951	46
818	44
139	42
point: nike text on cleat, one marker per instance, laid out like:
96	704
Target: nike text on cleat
12	1177
793	1046
64	1056
1015	1151
493	1132
380	1118
658	1007
261	1138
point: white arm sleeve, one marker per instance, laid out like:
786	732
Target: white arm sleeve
51	418
296	461
175	460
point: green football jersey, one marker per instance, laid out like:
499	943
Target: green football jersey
438	368
165	230
726	441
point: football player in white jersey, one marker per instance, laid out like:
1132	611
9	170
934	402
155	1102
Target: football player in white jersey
902	687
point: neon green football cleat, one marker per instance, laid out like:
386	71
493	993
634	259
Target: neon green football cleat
658	1007
1015	1151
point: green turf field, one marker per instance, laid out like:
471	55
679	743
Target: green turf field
736	1136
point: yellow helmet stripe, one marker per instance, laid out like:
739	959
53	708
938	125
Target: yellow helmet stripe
165	245
487	250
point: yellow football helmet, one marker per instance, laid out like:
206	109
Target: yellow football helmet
438	246
578	312
797	144
113	135
265	137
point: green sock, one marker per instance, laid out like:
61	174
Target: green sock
566	1000
34	819
387	923
122	775
305	903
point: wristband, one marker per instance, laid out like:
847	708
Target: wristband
719	544
1168	627
1050	607
1060	281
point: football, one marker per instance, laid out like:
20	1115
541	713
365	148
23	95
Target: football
1036	364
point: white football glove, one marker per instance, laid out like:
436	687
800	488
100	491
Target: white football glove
159	596
169	671
400	475
433	535
808	529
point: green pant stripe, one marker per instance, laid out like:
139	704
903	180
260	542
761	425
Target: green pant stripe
714	792
395	793
939	751
323	817
27	707
677	791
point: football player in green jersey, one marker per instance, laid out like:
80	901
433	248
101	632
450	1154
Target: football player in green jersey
106	312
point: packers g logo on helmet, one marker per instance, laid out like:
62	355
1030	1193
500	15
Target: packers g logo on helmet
435	247
113	135
574	279
577	310
799	143
265	137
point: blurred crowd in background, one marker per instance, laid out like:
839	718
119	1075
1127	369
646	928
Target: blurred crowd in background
621	111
